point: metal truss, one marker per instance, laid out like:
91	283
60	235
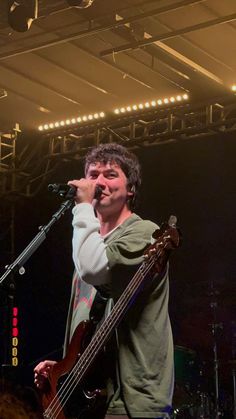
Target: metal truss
7	160
148	127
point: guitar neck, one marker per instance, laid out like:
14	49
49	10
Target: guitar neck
112	321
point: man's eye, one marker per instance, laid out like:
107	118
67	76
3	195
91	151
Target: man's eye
111	175
93	176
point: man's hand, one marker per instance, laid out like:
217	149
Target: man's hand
42	372
85	190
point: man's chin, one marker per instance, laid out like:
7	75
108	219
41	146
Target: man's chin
103	203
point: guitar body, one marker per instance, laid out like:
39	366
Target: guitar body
87	401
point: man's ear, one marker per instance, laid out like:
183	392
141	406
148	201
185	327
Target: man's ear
131	192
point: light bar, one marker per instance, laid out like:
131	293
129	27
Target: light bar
124	109
154	103
73	121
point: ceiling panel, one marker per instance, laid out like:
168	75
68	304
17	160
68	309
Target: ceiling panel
58	68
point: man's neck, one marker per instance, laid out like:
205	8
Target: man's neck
109	222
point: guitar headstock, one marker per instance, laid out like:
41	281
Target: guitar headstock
167	238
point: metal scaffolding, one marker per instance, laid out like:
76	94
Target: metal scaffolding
151	126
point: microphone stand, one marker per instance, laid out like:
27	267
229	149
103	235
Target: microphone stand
18	264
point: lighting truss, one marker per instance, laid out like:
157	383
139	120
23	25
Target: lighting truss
148	127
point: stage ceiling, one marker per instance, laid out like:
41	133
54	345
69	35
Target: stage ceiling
114	53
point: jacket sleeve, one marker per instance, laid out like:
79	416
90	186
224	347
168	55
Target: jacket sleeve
89	249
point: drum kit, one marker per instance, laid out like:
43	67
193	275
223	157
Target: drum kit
198	393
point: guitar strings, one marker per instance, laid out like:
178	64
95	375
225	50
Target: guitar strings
81	367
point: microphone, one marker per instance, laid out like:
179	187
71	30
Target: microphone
68	191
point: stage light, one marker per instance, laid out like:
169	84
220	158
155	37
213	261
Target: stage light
146	106
67	122
153	103
80	4
233	88
21	14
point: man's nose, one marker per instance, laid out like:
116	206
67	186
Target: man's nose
101	181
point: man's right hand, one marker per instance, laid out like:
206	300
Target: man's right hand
42	373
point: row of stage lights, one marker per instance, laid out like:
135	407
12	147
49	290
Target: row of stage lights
72	121
128	109
152	104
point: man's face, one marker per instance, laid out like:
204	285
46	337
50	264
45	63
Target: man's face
113	182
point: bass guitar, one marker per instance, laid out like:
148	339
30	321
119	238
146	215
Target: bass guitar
79	360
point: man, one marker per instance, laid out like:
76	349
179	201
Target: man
108	245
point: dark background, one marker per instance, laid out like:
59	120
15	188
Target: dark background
192	179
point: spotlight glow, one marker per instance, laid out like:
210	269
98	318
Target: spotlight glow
130	108
153	103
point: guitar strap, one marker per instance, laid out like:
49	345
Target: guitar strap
98	309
